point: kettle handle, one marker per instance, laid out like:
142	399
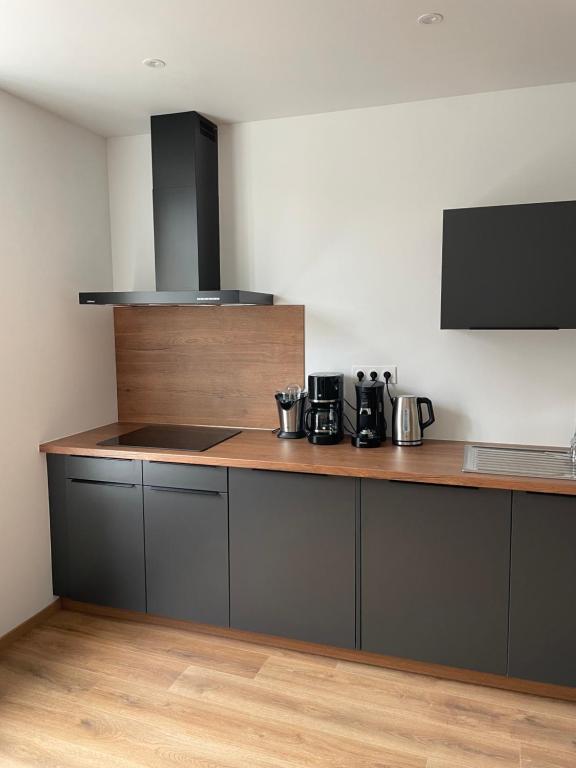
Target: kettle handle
431	418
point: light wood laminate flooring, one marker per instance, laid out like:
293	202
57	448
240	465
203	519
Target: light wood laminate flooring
82	691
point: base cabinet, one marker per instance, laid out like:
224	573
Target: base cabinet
105	533
473	578
292	555
543	588
187	554
435	573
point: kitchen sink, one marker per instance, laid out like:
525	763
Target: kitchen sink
529	462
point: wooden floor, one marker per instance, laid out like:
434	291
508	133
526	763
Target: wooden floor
83	691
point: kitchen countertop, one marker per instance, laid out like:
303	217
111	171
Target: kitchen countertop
437	461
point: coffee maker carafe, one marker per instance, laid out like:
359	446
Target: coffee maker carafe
323	420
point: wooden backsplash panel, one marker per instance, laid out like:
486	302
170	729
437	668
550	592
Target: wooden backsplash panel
206	365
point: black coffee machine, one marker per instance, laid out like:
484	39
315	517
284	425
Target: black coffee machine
370	421
323	419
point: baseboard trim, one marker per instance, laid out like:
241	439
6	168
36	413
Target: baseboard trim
29	624
342	654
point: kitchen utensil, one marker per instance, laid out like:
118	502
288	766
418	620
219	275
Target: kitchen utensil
408	424
290	402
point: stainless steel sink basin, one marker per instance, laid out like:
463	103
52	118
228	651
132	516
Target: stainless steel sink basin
528	462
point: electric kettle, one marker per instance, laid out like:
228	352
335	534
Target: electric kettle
407	421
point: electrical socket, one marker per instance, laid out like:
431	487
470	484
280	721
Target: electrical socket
380	370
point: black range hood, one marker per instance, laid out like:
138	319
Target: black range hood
186	221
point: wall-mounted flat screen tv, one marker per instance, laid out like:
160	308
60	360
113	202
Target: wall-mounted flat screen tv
509	266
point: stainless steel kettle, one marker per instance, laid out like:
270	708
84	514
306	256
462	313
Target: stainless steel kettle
407	421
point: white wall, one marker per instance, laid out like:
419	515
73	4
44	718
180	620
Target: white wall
131	222
343	212
57	375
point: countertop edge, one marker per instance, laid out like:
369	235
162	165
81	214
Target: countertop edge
65	446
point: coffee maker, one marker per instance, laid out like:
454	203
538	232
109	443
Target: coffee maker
370	421
324	415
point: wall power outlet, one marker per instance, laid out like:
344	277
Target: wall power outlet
379	368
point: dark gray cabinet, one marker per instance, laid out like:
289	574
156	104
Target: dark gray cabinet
292	555
435	573
97	530
187	553
465	577
58	534
105	543
543	588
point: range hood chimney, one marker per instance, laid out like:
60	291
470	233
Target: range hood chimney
186	221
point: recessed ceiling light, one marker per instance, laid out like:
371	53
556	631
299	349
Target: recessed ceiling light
430	18
154	63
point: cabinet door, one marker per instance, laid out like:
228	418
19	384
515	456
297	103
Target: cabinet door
105	544
187	554
543	588
435	573
292	555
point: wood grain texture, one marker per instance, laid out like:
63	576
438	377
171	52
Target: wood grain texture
206	365
29	624
437	461
546	757
85	691
330	652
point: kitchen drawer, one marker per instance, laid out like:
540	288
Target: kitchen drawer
104	470
189	476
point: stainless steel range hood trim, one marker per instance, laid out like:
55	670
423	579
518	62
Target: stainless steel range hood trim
171	298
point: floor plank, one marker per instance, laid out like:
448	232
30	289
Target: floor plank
435	762
428	703
544	757
527	702
227	655
377	726
22	746
84	691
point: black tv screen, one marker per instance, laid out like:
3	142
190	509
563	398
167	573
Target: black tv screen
509	266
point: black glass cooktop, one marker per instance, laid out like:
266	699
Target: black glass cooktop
173	436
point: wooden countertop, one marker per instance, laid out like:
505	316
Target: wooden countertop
437	461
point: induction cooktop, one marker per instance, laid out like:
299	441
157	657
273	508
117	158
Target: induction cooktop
173	437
